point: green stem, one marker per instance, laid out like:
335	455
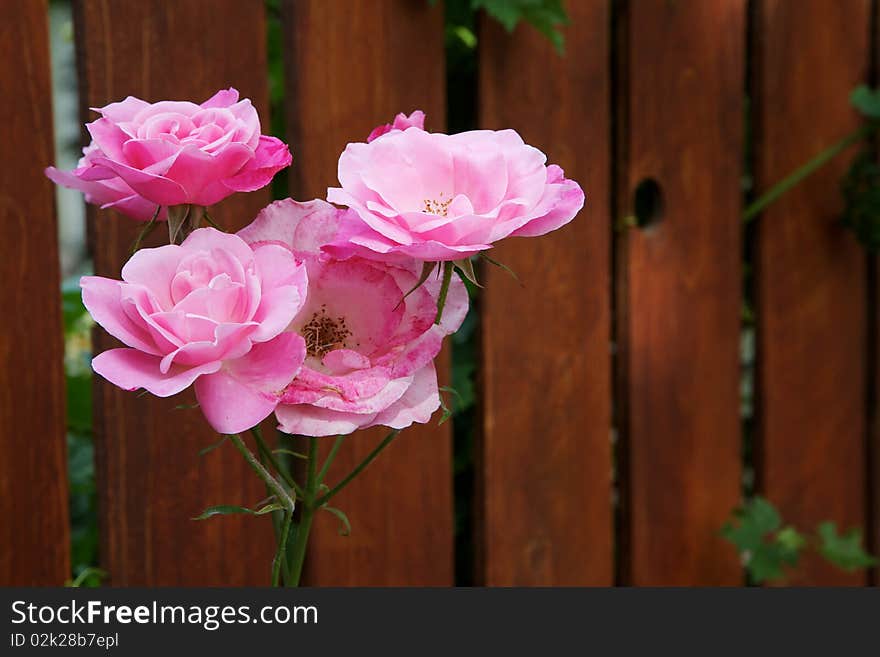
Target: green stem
354	473
269	455
332	455
807	169
301	540
444	289
271	483
281	555
280	523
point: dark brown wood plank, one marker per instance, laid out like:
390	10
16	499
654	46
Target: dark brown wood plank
348	70
151	478
34	533
545	476
679	289
811	286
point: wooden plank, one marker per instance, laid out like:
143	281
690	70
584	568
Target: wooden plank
678	289
811	286
545	476
150	476
348	71
34	533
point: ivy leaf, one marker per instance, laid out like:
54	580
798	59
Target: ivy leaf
764	548
345	530
843	550
866	101
227	509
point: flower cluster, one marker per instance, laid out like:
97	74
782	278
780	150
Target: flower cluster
325	315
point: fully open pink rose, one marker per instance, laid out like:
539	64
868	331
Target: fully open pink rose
146	155
440	197
369	352
211	311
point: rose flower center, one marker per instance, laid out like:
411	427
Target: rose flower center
438	206
324	333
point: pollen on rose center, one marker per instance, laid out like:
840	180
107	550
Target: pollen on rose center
438	206
324	333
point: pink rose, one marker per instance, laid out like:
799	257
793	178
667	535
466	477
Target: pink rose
212	311
401	122
174	153
438	197
370	353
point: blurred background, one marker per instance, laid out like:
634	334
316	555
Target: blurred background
679	388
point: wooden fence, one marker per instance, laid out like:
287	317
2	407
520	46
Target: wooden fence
610	439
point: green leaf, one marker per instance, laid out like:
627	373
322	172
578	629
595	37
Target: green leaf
547	16
226	509
427	268
764	548
89	577
866	101
345	529
844	550
290	452
466	267
502	266
211	448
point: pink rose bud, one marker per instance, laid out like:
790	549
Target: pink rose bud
369	352
439	197
168	153
401	122
211	311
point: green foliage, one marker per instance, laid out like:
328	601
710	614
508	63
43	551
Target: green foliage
861	194
861	185
80	451
767	548
866	101
547	16
844	551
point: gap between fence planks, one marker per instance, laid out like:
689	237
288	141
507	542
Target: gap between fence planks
348	71
678	289
150	477
811	272
34	532
544	466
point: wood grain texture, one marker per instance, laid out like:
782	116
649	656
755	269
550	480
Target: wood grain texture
34	531
347	72
678	289
545	475
811	285
151	478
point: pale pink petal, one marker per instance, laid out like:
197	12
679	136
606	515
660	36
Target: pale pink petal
102	298
152	187
246	391
417	404
306	420
131	369
223	98
270	157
